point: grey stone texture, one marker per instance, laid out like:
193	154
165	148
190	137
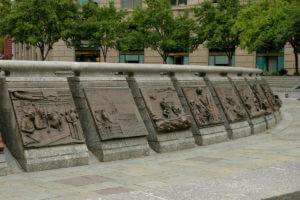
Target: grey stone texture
40	158
258	123
257	167
160	142
203	135
234	130
112	149
3	165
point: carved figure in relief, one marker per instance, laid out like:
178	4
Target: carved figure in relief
169	111
72	119
27	123
262	102
103	118
55	121
234	107
278	101
171	117
40	119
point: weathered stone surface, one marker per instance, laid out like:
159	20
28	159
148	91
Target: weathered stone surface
1	144
202	106
234	111
42	129
3	165
114	113
111	122
165	109
166	121
251	103
46	117
259	94
196	99
273	100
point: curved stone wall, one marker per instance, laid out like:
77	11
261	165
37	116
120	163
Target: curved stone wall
51	113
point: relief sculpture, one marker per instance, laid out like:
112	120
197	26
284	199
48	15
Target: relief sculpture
1	145
202	106
114	113
274	100
165	109
260	97
46	118
249	100
230	102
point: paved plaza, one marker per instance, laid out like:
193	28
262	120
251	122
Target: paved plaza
256	167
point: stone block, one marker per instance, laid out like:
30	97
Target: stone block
167	123
258	124
197	101
40	123
112	125
271	120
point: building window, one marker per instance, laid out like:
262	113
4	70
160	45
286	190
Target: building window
219	58
271	62
178	2
132	57
131	3
82	2
178	59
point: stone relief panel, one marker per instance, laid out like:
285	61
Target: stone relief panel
202	105
234	111
274	100
1	145
46	117
165	109
114	113
259	94
251	103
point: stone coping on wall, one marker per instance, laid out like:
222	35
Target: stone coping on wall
79	67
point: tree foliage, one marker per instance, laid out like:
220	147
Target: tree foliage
160	30
100	26
214	25
269	25
39	23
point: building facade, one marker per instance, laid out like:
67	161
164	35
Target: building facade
271	62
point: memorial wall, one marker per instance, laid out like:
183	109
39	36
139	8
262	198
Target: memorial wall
53	113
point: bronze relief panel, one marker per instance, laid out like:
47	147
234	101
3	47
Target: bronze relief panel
229	101
165	109
249	100
1	145
259	94
46	117
274	100
202	105
114	113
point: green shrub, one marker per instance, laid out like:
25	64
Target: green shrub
283	72
274	73
267	73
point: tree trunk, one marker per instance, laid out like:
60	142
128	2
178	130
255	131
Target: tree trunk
296	61
230	61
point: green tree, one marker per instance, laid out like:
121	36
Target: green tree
100	26
39	23
161	31
215	24
5	6
270	24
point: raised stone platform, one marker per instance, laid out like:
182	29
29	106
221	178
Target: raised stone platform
48	121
